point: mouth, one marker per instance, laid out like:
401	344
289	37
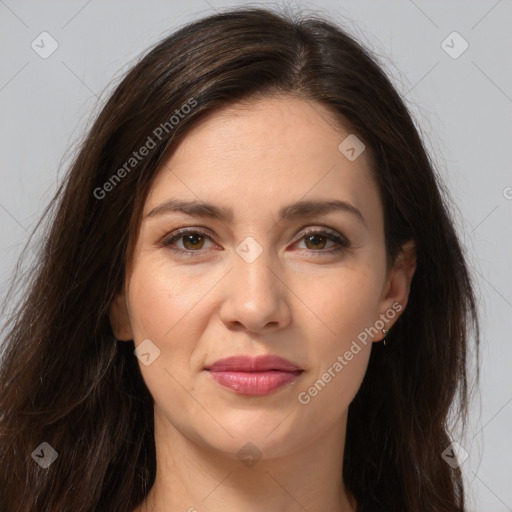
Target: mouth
254	376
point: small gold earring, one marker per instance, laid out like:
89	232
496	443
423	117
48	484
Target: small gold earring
385	331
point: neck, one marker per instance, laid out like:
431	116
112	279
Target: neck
195	478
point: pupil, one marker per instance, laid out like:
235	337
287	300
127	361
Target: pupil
191	238
312	237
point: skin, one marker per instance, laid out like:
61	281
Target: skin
293	301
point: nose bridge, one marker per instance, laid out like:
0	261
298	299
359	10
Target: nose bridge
254	268
255	296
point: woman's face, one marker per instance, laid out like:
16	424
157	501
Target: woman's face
310	286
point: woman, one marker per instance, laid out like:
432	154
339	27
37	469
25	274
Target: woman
251	296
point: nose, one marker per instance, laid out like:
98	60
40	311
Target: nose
256	295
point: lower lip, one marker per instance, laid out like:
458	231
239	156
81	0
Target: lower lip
254	383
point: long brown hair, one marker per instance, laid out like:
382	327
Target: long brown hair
64	378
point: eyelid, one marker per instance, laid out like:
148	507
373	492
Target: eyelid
307	229
331	234
175	235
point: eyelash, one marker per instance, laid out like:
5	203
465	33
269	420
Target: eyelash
342	242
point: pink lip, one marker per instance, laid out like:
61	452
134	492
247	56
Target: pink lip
254	376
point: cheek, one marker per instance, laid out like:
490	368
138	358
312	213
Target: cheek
162	299
171	313
341	303
345	305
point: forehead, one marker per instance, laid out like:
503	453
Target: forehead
258	154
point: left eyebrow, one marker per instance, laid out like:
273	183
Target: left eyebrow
290	212
318	208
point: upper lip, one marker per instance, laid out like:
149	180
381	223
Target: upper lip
253	364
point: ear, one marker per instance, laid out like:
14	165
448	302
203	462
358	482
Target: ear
398	285
120	319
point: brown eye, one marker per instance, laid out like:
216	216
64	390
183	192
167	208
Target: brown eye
193	241
316	241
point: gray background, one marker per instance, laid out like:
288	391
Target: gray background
463	107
